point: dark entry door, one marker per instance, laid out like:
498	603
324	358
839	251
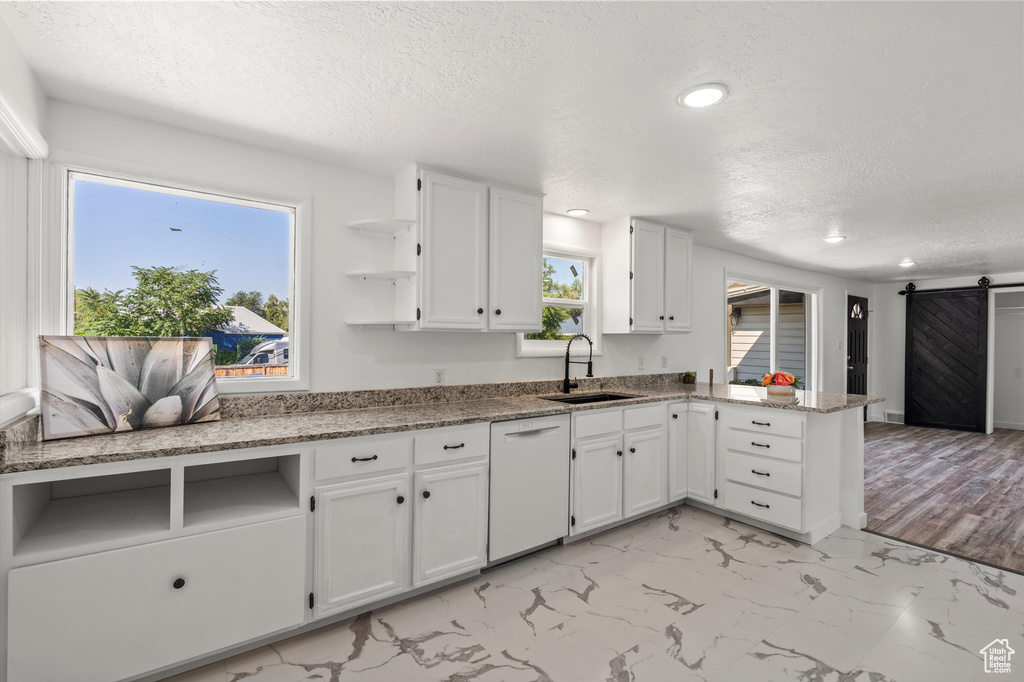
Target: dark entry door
946	368
857	345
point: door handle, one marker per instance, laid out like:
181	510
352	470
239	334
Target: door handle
759	473
365	459
757	504
454	447
760	445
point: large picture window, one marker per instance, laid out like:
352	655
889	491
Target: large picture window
152	260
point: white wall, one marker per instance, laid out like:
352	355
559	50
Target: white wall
1008	390
887	334
14	297
349	358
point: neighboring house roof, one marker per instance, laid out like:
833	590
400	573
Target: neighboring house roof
248	322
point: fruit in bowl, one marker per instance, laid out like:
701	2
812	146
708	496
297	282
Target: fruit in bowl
781	382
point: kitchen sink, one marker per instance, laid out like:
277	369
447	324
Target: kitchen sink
588	398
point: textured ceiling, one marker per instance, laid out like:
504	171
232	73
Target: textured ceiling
898	124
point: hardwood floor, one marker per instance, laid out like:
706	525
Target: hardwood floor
955	491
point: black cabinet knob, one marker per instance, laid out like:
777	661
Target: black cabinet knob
400	499
661	317
498	311
632	450
671	317
479	311
675	416
179	583
620	453
426	494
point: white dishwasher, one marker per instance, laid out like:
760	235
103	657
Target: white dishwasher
529	484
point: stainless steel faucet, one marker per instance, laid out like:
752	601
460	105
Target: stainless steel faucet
567	384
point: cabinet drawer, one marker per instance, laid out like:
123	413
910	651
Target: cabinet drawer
773	422
783	477
364	455
778	447
119	614
773	508
596	423
453	444
644	417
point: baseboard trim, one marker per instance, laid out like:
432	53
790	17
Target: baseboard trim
1017	426
856	521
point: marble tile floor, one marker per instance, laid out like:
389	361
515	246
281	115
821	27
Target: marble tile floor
684	596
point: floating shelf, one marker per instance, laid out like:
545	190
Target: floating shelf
381	275
381	323
380	227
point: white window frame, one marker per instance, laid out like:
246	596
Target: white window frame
589	304
54	214
814	350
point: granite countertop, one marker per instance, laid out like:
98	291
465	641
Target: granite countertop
297	427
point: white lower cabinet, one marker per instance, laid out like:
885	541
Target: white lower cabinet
362	542
619	465
450	528
597	482
118	614
644	475
678	442
700	451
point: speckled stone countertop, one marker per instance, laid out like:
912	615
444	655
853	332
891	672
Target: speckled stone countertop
268	421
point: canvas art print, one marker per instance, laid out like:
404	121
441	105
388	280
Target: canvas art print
98	384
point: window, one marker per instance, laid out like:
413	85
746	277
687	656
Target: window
568	308
771	328
152	260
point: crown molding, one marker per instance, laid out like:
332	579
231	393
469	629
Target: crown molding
18	132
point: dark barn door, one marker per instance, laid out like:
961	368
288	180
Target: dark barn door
947	343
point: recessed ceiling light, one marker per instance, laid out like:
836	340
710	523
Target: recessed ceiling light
577	211
704	95
907	263
835	239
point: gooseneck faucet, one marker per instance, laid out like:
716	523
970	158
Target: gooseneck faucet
567	384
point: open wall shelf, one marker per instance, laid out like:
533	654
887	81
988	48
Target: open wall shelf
381	227
233	491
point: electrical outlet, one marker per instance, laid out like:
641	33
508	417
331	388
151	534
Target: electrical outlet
641	364
664	362
438	376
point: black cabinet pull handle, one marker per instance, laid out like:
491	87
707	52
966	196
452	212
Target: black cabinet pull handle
760	423
757	504
479	311
760	445
179	583
620	453
364	459
400	499
498	311
632	450
426	494
454	447
759	473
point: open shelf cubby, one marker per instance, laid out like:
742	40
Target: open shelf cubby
55	515
232	491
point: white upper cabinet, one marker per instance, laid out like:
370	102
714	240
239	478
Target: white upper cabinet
646	279
516	245
453	252
678	281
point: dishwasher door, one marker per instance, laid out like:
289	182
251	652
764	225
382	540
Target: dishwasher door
529	500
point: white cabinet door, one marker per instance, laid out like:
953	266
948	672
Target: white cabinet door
597	483
678	441
678	281
700	451
363	540
516	246
648	268
122	613
450	526
453	213
644	471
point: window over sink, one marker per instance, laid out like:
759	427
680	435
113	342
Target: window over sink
568	304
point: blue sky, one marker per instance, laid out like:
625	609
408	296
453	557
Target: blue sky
118	227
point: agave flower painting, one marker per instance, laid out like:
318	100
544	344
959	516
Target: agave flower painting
100	384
